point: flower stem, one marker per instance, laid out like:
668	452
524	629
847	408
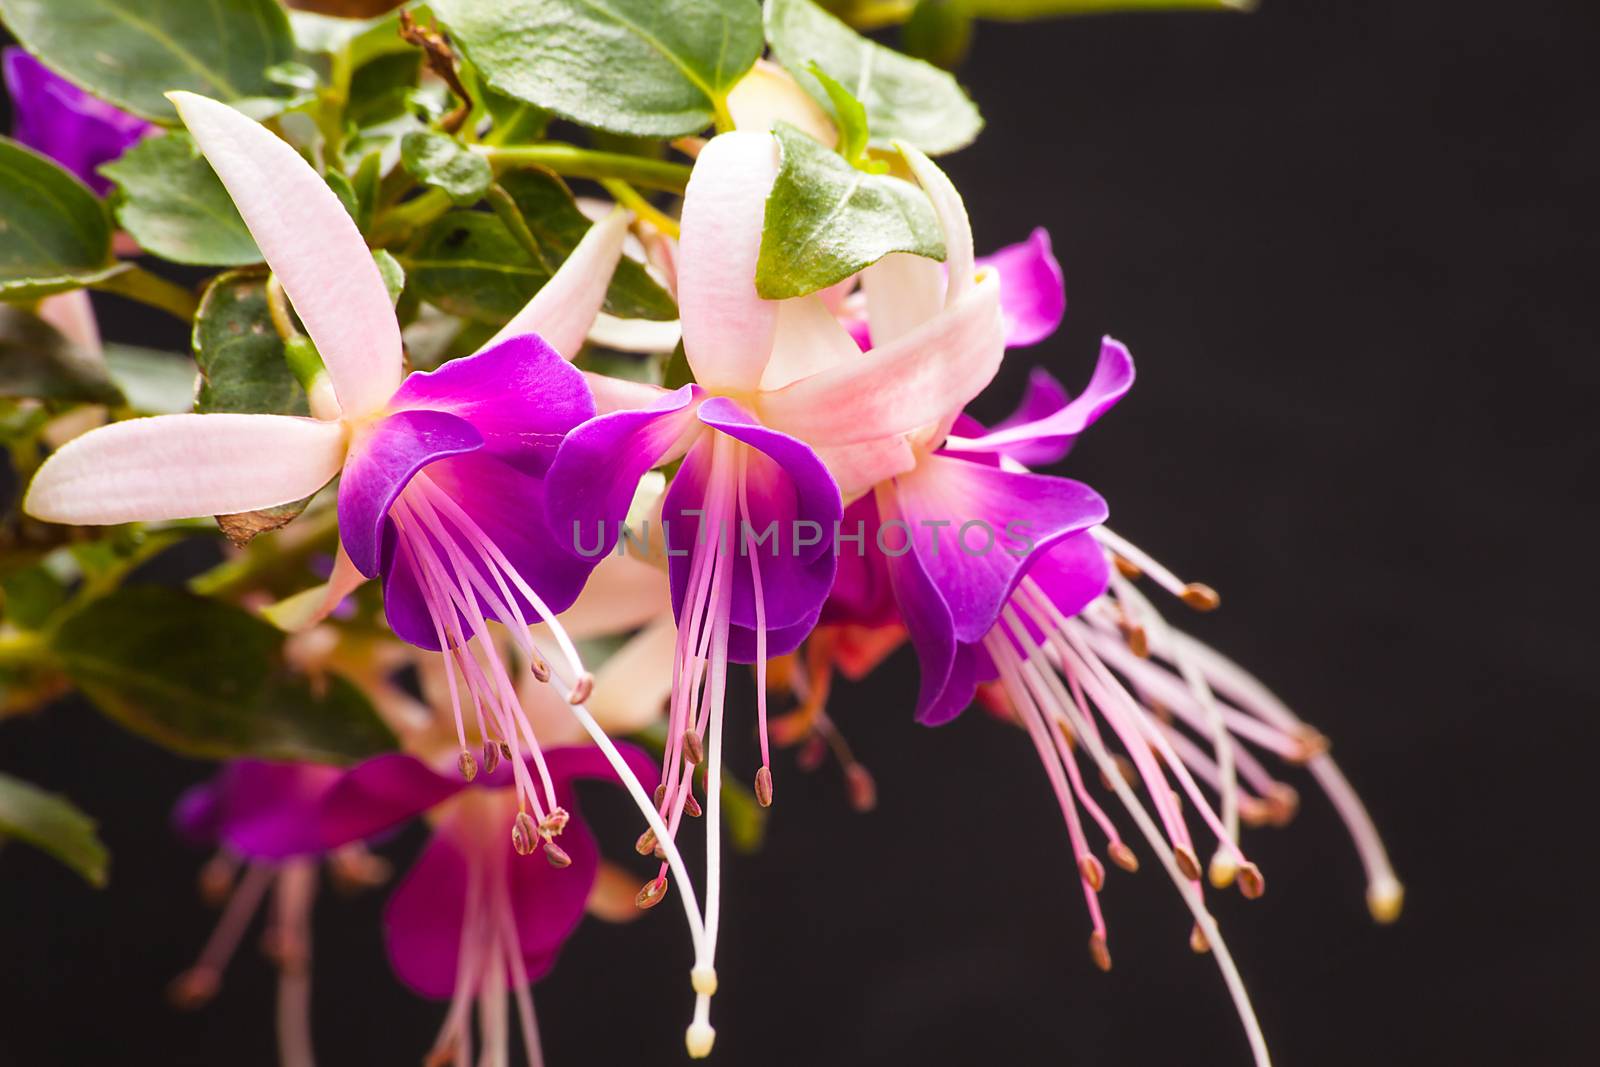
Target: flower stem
136	283
630	198
574	162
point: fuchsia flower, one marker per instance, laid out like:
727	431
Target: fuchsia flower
441	473
1039	623
54	117
785	408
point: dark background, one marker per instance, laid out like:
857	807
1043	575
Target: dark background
1353	249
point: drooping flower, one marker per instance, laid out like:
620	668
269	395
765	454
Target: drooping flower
260	816
1071	660
54	117
470	923
781	397
441	473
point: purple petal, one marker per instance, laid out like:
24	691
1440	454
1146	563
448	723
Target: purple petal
197	816
379	795
1033	298
930	625
381	463
59	120
587	761
520	395
789	490
423	920
508	508
425	917
269	810
862	593
592	482
1037	436
1072	573
975	528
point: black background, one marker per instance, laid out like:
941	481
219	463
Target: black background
1353	249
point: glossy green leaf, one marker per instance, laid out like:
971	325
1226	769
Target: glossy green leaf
153	383
175	206
54	825
54	233
906	99
445	163
239	352
378	88
208	679
469	264
826	220
132	52
849	117
656	68
37	361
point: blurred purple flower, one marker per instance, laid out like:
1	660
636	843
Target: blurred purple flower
60	120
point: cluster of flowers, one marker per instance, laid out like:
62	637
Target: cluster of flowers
474	493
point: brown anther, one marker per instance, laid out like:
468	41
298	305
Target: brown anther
524	836
491	757
1123	856
1251	883
505	750
540	670
1090	870
652	893
660	795
1200	597
764	787
811	754
1309	745
1159	710
556	855
1188	863
693	750
554	823
646	845
442	1055
1138	640
353	869
1127	568
1253	811
468	765
1197	941
1125	768
1283	802
216	880
863	790
582	689
194	987
691	806
1099	952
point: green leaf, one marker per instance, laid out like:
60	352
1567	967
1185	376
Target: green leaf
54	233
33	594
445	163
826	220
55	825
469	264
655	68
154	383
204	678
939	31
131	52
37	361
906	99
392	273
558	225
239	352
175	206
849	116
378	88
